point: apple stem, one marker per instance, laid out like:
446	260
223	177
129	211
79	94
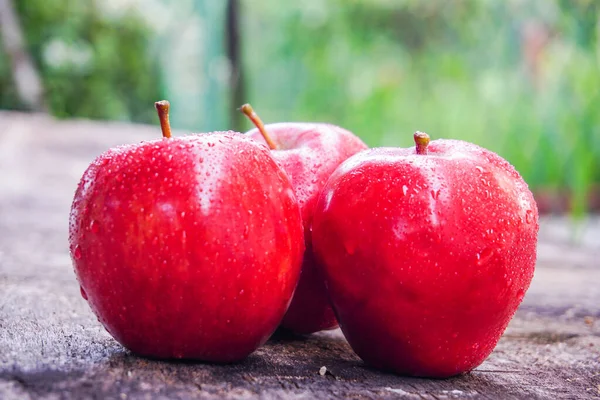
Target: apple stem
162	107
247	110
421	141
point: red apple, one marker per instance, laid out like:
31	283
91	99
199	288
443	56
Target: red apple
427	253
309	153
187	247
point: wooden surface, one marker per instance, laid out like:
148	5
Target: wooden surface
51	346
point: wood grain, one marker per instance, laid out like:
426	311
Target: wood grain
51	346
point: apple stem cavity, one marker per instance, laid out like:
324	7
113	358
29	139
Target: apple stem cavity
421	142
248	111
162	107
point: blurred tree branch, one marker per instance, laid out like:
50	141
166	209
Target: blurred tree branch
25	75
238	95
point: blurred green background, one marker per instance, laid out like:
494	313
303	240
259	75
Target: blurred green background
520	77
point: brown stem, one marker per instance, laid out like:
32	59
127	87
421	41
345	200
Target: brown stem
249	112
421	141
162	107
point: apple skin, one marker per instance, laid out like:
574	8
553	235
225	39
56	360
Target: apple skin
309	153
426	257
187	247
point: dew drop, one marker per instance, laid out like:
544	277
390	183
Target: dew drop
479	168
77	252
484	256
350	247
404	189
83	293
95	226
529	216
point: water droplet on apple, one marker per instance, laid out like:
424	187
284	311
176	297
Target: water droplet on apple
83	293
479	168
529	216
484	256
95	226
435	194
350	247
404	189
77	252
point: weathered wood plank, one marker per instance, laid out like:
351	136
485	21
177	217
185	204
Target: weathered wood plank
52	347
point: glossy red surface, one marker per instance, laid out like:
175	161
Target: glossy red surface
309	153
426	257
187	247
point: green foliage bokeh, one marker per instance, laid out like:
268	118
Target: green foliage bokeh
106	71
454	69
381	68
